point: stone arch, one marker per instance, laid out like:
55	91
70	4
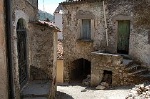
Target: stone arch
80	69
21	24
18	14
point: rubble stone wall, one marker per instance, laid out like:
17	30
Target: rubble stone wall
41	52
115	10
73	47
3	64
105	62
109	62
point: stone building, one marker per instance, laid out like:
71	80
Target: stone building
108	39
3	58
31	48
58	20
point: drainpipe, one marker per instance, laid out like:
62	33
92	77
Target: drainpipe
106	28
8	28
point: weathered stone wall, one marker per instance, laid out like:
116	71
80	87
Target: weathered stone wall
21	9
130	10
139	38
109	62
73	48
41	52
115	10
3	65
31	9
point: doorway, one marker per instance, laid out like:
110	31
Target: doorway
22	52
123	36
107	77
81	69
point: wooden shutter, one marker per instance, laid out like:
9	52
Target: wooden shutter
86	29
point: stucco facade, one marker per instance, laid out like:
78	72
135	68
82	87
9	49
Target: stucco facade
3	65
114	11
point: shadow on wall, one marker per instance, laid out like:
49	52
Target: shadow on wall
61	95
38	74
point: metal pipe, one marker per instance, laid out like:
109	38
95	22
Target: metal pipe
8	29
106	28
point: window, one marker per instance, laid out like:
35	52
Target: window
148	37
86	29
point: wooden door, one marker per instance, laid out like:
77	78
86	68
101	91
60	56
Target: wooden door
123	36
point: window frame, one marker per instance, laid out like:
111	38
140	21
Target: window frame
87	35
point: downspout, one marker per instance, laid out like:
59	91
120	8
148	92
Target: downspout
106	28
8	29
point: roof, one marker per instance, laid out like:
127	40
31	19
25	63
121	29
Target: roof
78	1
48	24
60	50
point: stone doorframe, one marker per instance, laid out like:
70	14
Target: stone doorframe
19	14
115	20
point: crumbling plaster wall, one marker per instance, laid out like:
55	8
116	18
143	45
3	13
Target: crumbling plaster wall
43	55
3	64
26	7
115	10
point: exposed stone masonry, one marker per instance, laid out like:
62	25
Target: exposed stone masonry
74	48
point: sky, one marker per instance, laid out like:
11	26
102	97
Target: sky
49	5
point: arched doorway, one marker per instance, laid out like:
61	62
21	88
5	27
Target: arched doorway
22	52
81	68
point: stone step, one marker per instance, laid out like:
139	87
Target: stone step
36	89
145	75
127	61
133	67
35	98
125	56
138	72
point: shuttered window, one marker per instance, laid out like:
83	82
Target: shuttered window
86	29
